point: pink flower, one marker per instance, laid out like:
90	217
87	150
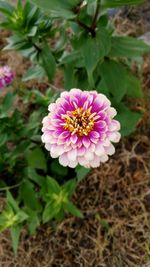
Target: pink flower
79	129
6	76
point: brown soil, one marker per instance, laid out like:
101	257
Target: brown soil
115	199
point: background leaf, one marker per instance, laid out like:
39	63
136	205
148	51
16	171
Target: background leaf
114	75
118	3
48	61
36	159
81	172
15	234
127	47
128	119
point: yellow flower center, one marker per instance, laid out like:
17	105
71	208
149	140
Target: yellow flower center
79	121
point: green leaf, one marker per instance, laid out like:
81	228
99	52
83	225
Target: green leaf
68	58
33	221
81	172
6	8
35	72
36	159
50	211
32	174
48	62
133	86
69	76
52	186
58	8
15	234
7	104
28	195
128	119
102	88
114	75
69	187
95	49
12	202
118	3
3	138
69	206
21	216
127	47
58	170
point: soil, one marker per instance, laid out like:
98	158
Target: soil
115	198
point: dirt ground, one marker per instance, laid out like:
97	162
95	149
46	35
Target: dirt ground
115	199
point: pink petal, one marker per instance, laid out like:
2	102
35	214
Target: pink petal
114	126
63	135
110	150
73	138
86	142
99	151
95	162
63	160
114	136
104	158
89	155
72	155
111	112
81	151
94	135
52	107
72	164
82	161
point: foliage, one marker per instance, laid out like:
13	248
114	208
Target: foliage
78	38
24	167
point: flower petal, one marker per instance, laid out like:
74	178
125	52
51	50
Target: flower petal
63	160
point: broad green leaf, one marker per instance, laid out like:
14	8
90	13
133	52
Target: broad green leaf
50	211
69	206
36	159
102	88
95	49
48	61
72	57
35	72
52	186
15	234
127	47
28	195
114	75
118	3
128	119
133	86
81	172
58	8
70	78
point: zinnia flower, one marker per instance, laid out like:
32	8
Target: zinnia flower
6	76
79	129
